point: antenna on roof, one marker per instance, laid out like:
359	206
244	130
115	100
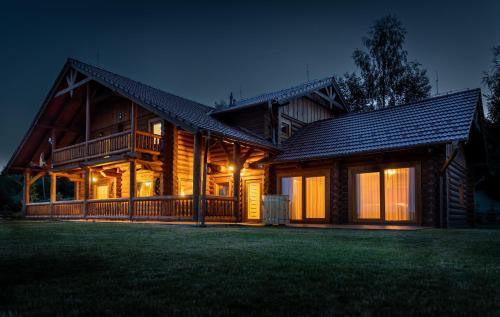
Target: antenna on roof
307	71
437	83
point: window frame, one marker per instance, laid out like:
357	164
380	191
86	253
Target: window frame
380	168
306	174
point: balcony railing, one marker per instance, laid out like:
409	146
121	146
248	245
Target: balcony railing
108	145
144	208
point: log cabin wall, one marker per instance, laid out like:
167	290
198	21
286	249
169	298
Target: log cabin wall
113	116
184	162
459	191
430	160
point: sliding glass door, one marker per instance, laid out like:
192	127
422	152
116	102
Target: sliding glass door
386	195
307	196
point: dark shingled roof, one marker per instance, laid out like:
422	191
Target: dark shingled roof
283	95
440	119
182	111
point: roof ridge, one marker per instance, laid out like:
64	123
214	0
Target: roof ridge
74	60
431	98
284	89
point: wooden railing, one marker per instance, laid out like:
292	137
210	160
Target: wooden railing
108	208
220	207
180	207
154	208
38	209
70	153
67	208
147	142
109	145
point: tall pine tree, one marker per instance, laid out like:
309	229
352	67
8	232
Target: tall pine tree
386	77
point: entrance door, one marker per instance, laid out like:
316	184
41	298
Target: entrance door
253	200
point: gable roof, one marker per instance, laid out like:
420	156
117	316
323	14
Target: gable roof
440	119
182	111
283	95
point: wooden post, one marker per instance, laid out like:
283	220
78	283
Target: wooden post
26	190
86	184
132	189
196	175
52	145
204	183
53	192
236	180
133	126
87	121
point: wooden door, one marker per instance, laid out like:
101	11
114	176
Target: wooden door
253	193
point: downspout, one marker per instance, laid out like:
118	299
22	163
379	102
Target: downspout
442	172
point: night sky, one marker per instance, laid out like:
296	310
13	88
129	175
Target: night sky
203	51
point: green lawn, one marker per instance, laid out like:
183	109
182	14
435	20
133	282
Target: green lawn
56	268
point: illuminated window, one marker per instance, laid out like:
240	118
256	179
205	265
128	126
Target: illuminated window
315	197
398	194
145	189
222	189
368	195
292	186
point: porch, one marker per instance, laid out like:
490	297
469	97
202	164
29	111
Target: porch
158	208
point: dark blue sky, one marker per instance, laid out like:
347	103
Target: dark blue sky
202	50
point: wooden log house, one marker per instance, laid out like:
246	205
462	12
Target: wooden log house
138	153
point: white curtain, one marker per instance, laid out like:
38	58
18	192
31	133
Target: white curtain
292	186
399	194
368	195
315	197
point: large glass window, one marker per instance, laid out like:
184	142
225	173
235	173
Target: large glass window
368	195
315	197
292	186
399	195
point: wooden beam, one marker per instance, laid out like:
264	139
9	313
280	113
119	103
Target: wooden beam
204	183
72	87
132	190
196	175
236	180
36	177
26	189
245	156
87	120
226	150
86	190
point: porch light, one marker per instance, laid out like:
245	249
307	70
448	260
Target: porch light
230	168
148	184
94	179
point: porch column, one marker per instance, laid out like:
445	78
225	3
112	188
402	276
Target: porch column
86	189
236	181
204	183
53	192
133	126
132	189
87	121
26	190
196	175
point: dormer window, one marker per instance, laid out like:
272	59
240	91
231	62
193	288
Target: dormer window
285	129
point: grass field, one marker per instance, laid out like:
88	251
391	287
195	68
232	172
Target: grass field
55	268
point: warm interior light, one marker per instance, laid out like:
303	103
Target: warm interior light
182	193
230	168
148	184
390	172
94	179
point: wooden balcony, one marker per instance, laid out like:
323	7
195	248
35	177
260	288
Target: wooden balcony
161	208
117	143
